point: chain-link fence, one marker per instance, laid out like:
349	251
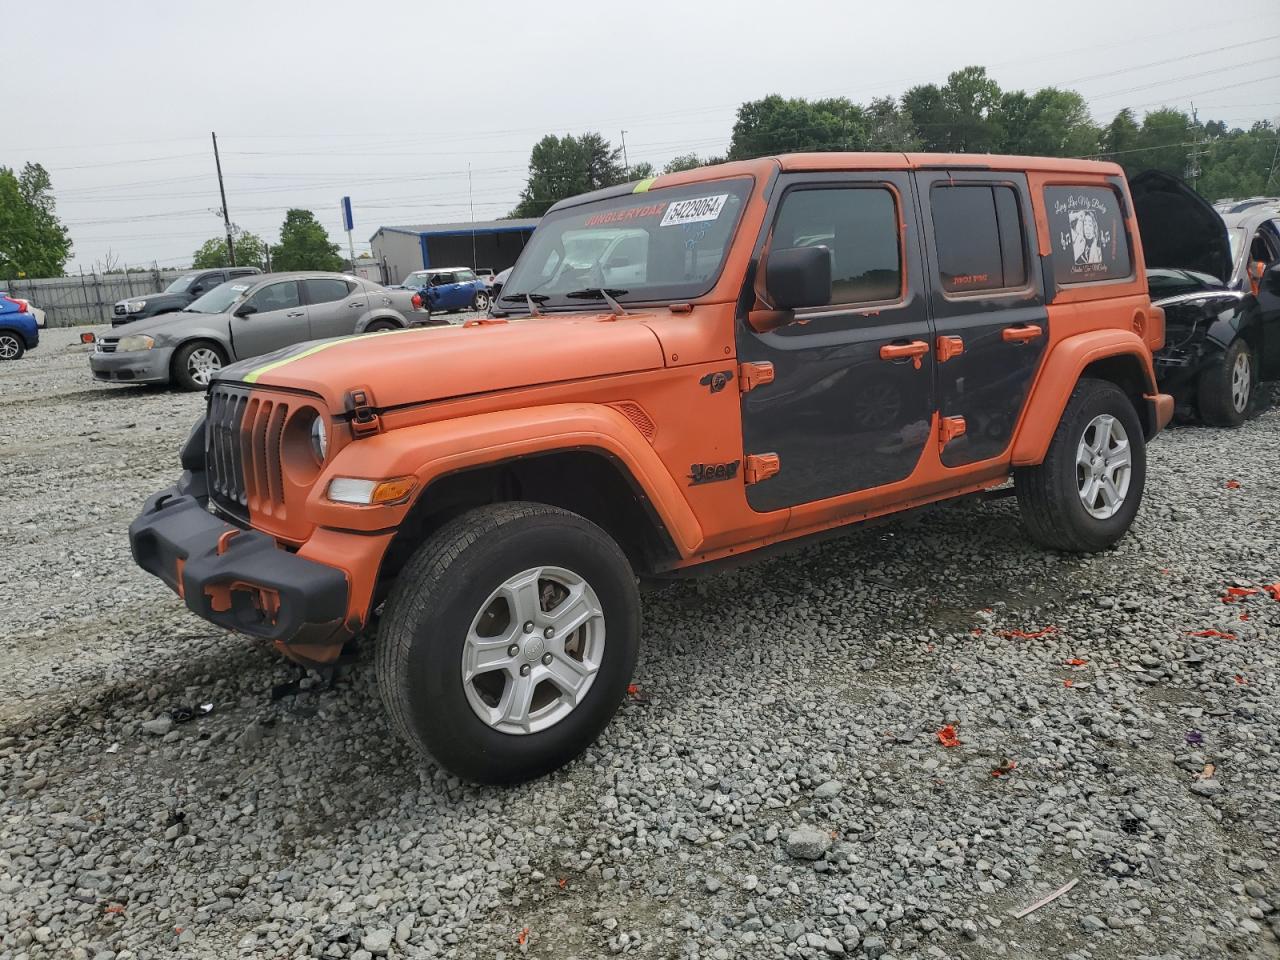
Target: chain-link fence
87	298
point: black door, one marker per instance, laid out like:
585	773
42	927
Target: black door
1265	249
988	304
851	403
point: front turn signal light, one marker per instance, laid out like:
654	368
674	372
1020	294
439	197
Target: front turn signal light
371	492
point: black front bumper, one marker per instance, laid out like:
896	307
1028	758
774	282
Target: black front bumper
239	579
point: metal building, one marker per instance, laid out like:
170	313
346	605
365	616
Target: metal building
494	244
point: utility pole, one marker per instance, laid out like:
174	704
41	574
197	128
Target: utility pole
625	162
471	199
226	217
1193	157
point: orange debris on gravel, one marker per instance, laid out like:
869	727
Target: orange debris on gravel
948	737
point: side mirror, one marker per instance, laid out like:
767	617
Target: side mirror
794	277
246	310
797	277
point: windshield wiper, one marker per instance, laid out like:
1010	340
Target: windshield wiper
531	299
601	293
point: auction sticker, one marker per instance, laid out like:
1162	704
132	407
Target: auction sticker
695	210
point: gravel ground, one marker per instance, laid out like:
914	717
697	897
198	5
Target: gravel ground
775	786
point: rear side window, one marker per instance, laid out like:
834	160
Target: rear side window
858	227
1087	232
465	276
978	236
325	289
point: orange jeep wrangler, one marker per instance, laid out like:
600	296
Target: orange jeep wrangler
679	371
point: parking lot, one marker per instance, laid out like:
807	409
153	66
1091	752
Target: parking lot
775	784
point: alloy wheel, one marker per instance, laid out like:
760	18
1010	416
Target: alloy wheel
8	346
1104	466
203	363
1241	382
481	301
533	650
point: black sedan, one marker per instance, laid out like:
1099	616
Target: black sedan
1222	322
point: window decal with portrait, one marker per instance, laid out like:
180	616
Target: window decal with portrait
1088	235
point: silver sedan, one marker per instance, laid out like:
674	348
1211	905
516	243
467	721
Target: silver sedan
247	318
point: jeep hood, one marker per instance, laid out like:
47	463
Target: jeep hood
422	364
1180	229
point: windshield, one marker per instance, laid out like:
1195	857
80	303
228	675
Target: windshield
180	285
666	245
220	298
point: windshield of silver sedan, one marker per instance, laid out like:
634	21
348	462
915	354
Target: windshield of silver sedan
219	299
659	245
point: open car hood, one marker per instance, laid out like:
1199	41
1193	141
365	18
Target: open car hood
1180	229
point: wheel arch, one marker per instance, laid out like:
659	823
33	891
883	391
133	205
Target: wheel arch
1118	356
375	315
588	481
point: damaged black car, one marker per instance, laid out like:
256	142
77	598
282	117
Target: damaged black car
1220	294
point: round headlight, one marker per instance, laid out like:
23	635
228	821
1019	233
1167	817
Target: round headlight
319	439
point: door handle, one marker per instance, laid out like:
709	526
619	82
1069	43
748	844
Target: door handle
904	351
1021	333
354	306
295	313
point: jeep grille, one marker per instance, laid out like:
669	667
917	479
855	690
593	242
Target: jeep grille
242	452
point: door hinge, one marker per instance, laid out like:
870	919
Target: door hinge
752	375
761	466
949	347
364	415
949	428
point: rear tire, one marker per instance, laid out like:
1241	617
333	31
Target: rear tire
11	346
194	364
381	326
1084	495
473	667
1225	389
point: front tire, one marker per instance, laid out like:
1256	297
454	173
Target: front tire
508	641
481	301
1226	387
11	346
1084	495
195	364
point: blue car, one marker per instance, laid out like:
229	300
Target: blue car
449	288
19	331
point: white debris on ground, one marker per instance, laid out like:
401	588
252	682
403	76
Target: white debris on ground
777	786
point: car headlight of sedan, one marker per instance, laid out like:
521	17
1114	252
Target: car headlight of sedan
135	306
135	343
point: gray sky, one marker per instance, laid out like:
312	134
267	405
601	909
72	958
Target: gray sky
390	101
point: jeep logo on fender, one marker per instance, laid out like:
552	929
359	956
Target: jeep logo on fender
716	381
712	472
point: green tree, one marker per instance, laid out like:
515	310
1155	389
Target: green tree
777	124
250	252
33	241
1049	123
961	116
1120	136
304	245
641	171
889	127
561	167
686	161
